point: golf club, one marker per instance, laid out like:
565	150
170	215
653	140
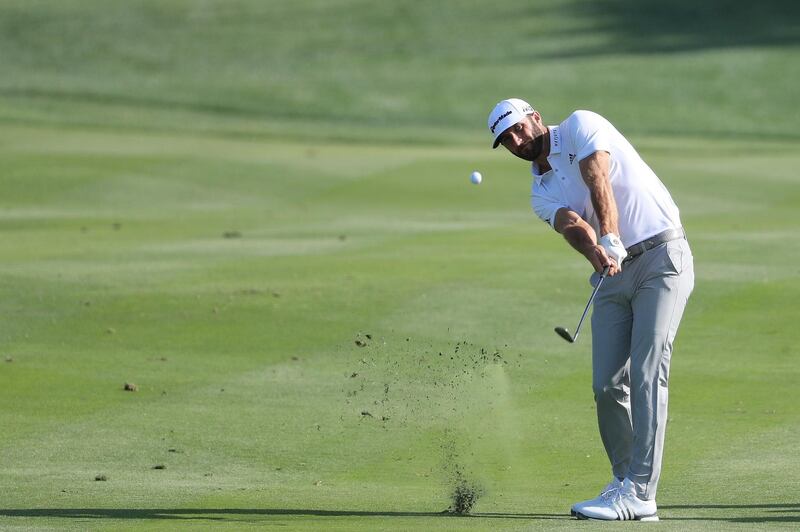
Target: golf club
564	333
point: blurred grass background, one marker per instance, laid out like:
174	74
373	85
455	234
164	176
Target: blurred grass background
407	70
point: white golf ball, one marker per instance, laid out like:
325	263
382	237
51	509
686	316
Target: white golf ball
476	178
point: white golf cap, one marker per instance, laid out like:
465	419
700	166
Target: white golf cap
505	114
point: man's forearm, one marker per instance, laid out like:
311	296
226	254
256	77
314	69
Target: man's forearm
594	170
582	237
605	207
576	231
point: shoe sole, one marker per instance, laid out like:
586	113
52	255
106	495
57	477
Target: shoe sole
644	518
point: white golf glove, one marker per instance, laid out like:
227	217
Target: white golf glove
614	248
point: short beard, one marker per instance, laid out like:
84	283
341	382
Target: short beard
537	145
532	150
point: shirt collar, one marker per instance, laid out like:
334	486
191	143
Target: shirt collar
555	140
555	149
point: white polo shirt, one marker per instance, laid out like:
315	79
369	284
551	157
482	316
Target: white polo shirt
644	204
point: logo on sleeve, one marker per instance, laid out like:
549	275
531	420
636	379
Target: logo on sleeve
571	158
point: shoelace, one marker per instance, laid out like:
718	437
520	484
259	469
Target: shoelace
621	497
609	491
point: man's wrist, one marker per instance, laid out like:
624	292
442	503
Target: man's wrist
610	239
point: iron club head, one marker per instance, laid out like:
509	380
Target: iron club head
563	333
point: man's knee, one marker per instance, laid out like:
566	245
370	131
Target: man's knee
610	392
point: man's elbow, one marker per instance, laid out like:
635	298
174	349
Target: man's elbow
565	220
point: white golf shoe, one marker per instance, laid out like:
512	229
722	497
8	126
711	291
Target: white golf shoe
619	504
607	492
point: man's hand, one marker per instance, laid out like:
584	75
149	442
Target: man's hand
614	248
600	259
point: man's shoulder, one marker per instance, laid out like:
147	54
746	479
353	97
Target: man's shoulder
582	117
585	126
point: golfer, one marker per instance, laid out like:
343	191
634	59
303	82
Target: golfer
592	186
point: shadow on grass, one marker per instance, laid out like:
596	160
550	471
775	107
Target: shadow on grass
790	512
633	26
214	514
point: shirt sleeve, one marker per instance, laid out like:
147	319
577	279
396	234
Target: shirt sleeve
590	133
545	205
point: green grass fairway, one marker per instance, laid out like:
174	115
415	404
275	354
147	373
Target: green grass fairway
252	388
259	214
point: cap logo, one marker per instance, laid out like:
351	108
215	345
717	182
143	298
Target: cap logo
499	118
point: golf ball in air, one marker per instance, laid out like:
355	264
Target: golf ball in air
476	178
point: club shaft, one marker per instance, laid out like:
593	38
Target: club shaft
589	304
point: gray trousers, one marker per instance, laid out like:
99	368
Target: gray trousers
634	322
